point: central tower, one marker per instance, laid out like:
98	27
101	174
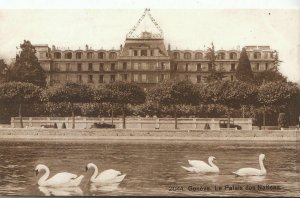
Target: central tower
144	56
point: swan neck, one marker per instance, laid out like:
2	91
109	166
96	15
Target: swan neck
95	172
262	167
42	180
212	164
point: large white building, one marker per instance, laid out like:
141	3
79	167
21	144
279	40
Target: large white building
144	59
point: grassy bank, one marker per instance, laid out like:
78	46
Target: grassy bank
94	134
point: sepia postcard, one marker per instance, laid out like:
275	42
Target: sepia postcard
149	98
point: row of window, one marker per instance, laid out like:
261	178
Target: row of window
89	55
219	56
200	67
199	55
162	67
124	77
136	66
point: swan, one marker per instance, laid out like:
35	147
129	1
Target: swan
63	179
106	177
200	166
253	171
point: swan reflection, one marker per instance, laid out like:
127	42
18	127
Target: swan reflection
63	191
202	176
105	188
255	179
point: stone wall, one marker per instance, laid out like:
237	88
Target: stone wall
99	134
133	123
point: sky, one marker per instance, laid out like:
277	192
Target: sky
191	24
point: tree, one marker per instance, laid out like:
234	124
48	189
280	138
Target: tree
243	70
231	94
3	71
27	67
19	93
71	93
277	93
123	93
277	62
269	76
172	94
211	57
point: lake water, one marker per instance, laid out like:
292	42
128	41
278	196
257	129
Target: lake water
152	167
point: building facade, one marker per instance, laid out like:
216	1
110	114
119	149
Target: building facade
144	59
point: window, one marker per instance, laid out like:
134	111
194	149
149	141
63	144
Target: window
187	67
175	66
78	55
162	66
101	55
233	55
112	78
68	78
209	66
90	78
221	66
101	79
199	55
101	67
199	79
112	66
57	55
124	77
176	55
135	52
113	55
231	77
257	55
267	66
187	55
143	52
135	77
67	66
79	67
90	66
199	67
152	52
68	55
257	67
90	55
162	77
221	56
232	67
79	79
56	67
144	78
125	66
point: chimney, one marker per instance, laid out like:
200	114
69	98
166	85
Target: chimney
53	47
86	47
169	47
121	47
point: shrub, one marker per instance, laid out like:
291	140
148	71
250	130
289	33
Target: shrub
63	125
206	126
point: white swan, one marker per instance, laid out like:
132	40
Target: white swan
200	166
253	171
106	177
63	179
